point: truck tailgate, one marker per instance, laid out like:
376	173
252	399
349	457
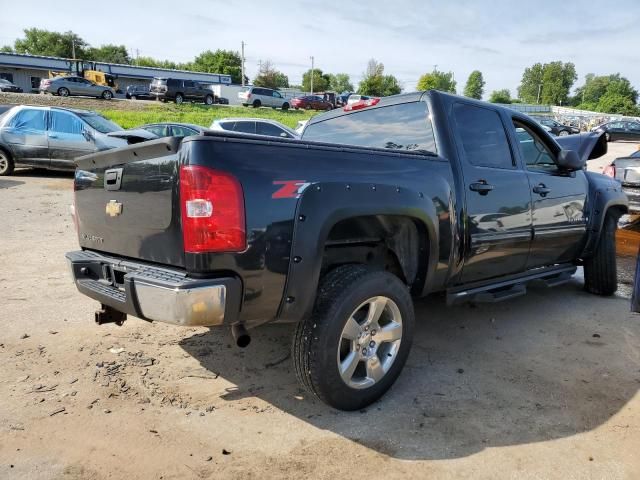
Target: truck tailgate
126	202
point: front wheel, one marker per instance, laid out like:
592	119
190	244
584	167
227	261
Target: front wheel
179	99
563	133
208	100
285	106
107	95
353	347
6	164
600	273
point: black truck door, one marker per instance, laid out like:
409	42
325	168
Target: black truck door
498	199
559	223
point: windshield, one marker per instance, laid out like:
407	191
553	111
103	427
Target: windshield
100	123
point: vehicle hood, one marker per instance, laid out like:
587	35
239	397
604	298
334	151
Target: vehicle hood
588	145
135	135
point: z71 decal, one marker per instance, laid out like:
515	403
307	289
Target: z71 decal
289	188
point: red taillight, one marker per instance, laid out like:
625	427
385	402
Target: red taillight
212	206
248	95
610	170
360	104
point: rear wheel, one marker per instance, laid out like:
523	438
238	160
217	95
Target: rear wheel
6	164
63	92
107	95
563	133
257	104
208	100
285	106
179	99
353	347
600	273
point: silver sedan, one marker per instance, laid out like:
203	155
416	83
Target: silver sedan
66	86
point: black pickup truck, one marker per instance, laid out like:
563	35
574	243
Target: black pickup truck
378	203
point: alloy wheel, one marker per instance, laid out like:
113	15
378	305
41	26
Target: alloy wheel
369	342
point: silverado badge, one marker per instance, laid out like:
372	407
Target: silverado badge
114	208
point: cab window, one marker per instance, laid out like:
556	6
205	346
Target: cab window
536	155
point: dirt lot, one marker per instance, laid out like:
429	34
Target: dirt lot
544	386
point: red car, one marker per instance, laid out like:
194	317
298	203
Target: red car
311	102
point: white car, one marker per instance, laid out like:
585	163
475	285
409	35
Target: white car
255	126
263	97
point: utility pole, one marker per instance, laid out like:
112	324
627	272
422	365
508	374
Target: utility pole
73	48
243	44
539	89
435	67
311	75
137	56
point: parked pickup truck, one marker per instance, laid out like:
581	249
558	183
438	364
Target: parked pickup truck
379	203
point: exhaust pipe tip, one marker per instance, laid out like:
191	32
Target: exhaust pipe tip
240	335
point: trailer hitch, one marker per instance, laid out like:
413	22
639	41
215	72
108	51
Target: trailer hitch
110	315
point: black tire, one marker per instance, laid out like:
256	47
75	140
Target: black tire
107	95
6	164
179	99
285	106
208	100
600	272
317	342
63	92
256	104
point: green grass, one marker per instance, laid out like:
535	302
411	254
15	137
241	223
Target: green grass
200	114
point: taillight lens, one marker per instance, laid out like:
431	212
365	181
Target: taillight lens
212	205
610	170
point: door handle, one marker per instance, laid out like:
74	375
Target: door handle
541	190
481	186
53	135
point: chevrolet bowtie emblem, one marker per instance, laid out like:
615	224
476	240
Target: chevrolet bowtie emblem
113	208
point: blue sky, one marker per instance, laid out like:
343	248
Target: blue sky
499	38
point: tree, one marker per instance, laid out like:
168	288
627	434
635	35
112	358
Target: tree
270	77
557	80
475	85
376	83
340	82
437	80
531	83
320	81
612	102
53	44
549	83
227	62
109	53
500	96
6	49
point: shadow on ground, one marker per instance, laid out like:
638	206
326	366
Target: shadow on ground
549	365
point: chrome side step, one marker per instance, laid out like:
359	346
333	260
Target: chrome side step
510	287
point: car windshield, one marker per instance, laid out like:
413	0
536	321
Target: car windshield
4	82
635	154
100	123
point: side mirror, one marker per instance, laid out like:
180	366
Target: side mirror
88	136
570	160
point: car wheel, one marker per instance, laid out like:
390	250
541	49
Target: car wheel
607	136
563	133
63	92
600	274
6	164
285	106
107	95
128	97
257	104
133	97
353	347
208	100
179	99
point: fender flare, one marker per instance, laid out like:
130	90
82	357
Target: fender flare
323	205
604	194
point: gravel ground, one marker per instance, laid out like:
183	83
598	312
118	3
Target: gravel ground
544	386
87	103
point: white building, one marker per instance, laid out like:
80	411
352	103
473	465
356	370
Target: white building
26	71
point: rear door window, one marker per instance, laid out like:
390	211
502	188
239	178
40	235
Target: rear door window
30	119
264	128
245	127
481	132
403	127
180	131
